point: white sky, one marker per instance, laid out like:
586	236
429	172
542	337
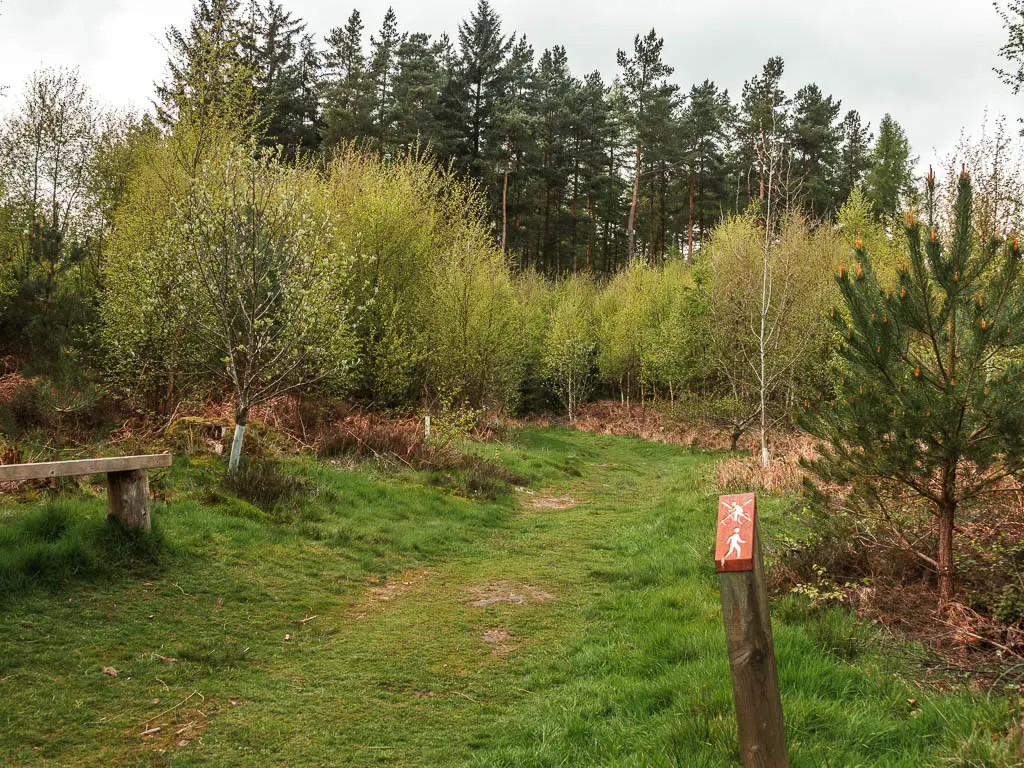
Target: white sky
928	62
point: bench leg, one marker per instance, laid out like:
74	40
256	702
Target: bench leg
128	498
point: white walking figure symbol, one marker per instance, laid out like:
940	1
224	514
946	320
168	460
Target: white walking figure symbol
736	514
734	542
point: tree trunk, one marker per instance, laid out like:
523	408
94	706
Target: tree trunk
631	227
241	419
947	518
689	246
504	211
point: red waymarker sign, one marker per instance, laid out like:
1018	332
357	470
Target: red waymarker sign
737	516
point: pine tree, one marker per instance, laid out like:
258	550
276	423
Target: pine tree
347	87
599	140
705	128
555	91
383	63
816	145
515	118
854	155
649	100
763	123
418	81
478	83
286	67
931	402
890	178
209	79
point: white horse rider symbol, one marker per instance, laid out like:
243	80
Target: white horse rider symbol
734	543
736	514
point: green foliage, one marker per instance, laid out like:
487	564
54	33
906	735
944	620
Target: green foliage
856	221
676	356
570	347
536	301
473	331
817	136
824	592
258	311
622	329
930	402
765	297
384	235
889	182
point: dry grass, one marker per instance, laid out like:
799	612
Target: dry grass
782	475
375	436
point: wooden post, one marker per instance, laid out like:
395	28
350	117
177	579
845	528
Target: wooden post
748	634
128	498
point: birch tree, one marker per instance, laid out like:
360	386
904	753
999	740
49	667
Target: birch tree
46	148
570	349
767	294
265	317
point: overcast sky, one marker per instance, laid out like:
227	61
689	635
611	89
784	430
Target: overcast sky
927	62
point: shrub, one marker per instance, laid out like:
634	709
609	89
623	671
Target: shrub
265	483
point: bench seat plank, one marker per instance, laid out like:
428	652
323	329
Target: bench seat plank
43	470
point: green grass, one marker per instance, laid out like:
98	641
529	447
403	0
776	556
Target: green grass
625	666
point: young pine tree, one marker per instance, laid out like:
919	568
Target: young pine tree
930	405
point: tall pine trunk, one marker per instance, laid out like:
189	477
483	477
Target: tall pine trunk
689	245
504	210
631	242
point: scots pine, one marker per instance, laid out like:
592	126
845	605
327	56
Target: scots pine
930	403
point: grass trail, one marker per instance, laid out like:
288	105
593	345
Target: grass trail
446	632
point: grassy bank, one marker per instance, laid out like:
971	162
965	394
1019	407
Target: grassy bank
372	619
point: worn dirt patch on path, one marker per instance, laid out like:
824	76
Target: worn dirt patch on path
500	641
507	592
394	588
549	502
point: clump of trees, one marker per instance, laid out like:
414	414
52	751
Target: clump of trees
361	279
255	301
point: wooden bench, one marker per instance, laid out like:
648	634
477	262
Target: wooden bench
127	481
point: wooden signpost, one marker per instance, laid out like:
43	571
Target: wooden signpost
748	634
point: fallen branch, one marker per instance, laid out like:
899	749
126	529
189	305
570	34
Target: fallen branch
166	711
